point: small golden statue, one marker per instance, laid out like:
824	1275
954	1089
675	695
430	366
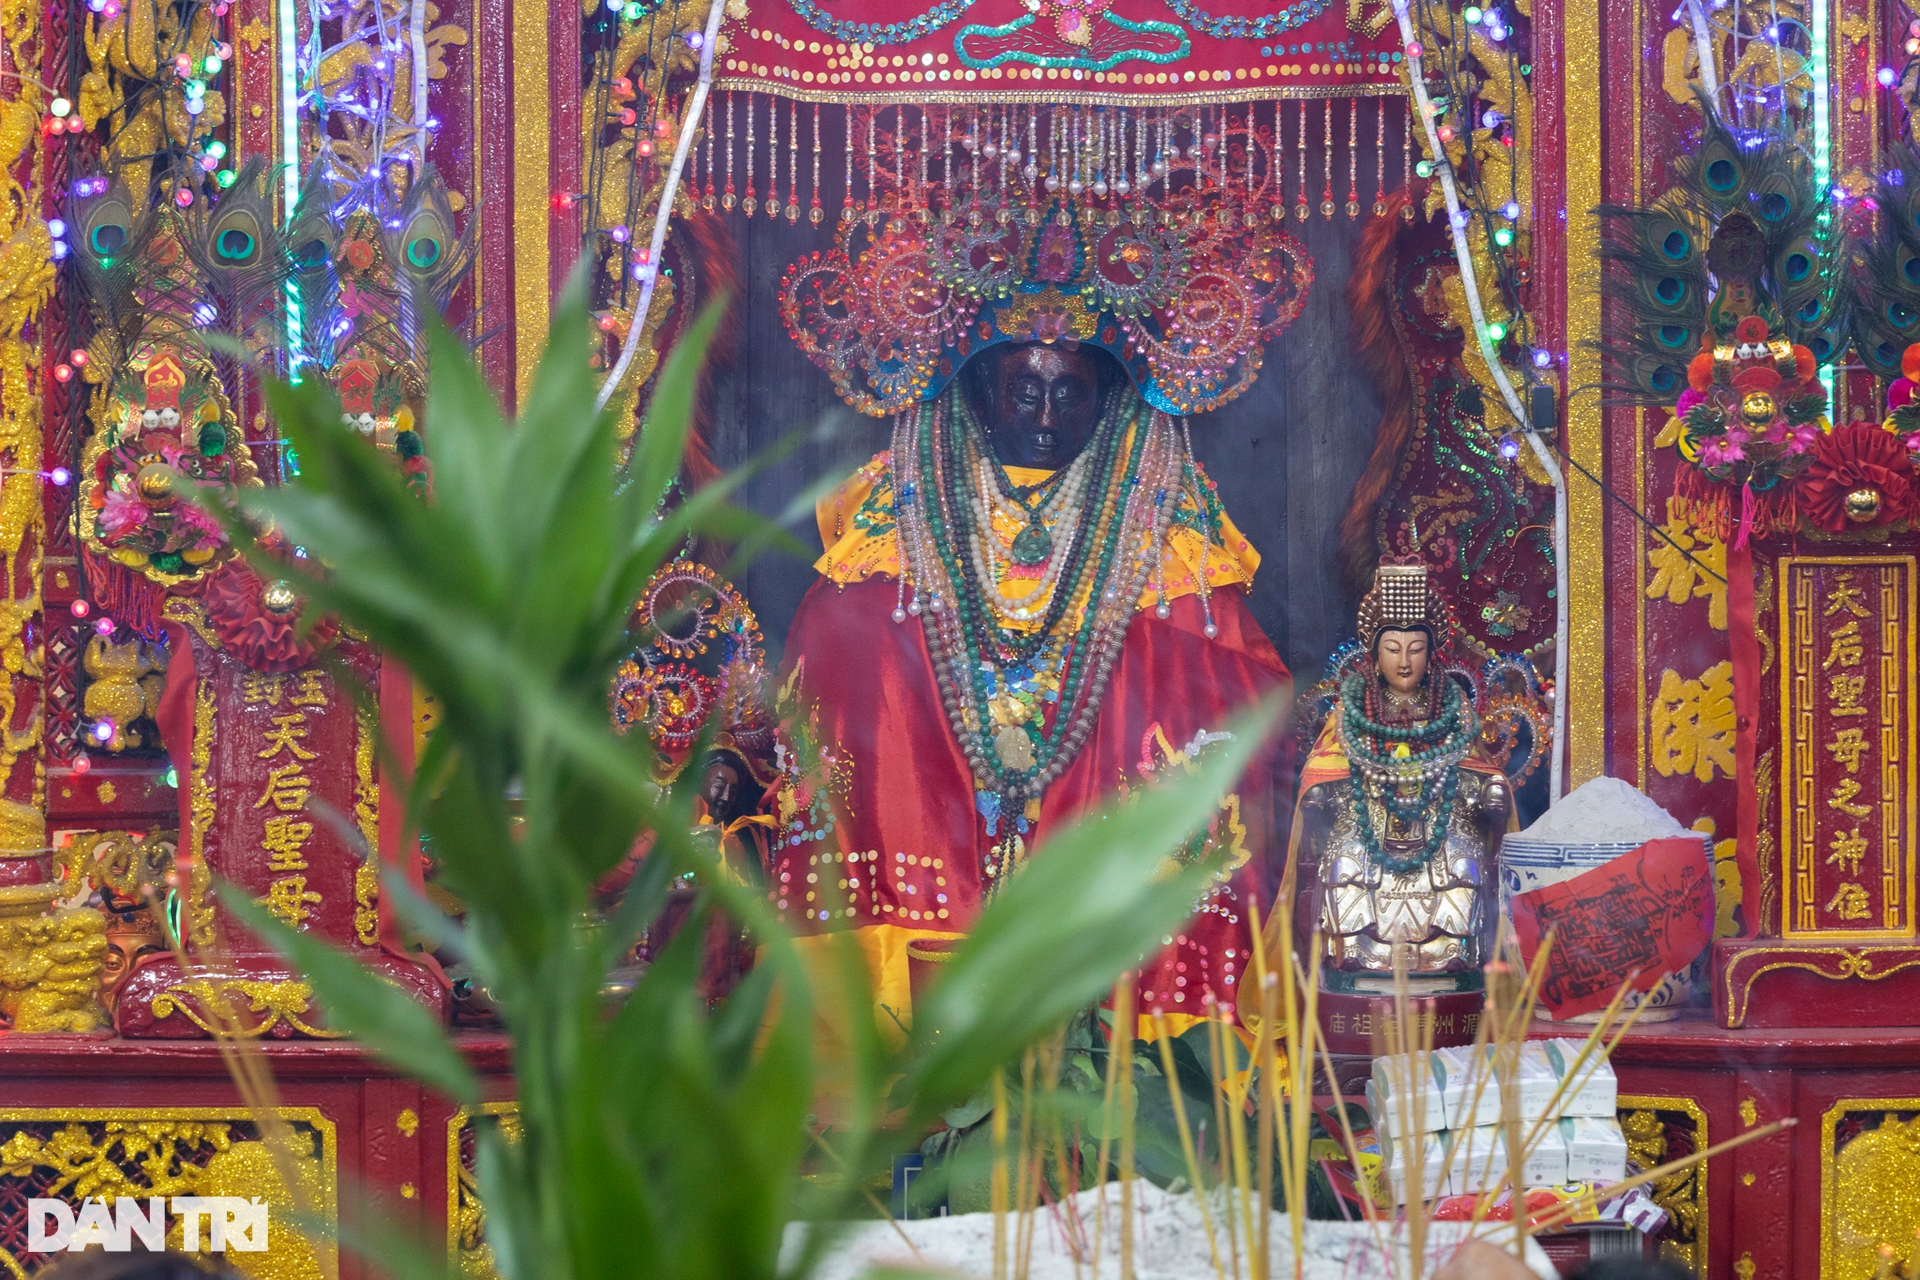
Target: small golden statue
50	964
1399	820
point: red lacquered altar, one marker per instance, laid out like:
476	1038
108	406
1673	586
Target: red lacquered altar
1814	1200
105	1103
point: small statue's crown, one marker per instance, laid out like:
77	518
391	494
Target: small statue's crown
1401	600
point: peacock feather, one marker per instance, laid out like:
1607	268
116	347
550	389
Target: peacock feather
110	239
430	257
236	242
311	250
1655	269
1886	314
1744	231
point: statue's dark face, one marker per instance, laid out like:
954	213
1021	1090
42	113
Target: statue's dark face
721	788
1040	403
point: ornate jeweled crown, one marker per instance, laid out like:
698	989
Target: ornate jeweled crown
1401	600
1183	275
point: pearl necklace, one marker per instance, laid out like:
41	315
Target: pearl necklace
984	541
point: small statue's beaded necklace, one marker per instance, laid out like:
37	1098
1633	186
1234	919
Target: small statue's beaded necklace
1412	770
1023	699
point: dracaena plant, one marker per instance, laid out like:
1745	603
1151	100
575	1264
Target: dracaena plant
659	1137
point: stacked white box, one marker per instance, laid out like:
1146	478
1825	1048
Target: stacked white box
1452	1098
1596	1149
1395	1162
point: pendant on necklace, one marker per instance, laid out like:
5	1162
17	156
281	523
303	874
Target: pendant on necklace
1014	748
1032	545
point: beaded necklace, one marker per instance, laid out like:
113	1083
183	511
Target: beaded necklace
1413	770
1272	24
1023	703
881	32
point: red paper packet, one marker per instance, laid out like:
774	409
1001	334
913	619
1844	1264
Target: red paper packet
1649	911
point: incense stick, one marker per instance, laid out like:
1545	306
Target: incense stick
1165	1039
1123	1018
999	1187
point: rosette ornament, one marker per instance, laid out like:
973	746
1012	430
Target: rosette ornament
258	621
1861	477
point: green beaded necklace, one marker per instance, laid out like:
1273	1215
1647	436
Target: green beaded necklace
983	659
1442	742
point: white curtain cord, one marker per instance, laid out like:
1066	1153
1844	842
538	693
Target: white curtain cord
417	33
1416	79
1704	43
681	150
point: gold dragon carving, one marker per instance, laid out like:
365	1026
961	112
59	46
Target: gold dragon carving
26	281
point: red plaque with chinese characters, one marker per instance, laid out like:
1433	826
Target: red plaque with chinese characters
1838	942
282	798
1846	661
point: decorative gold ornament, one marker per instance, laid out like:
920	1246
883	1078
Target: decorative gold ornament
366	899
1646	1123
1758	407
277	1001
23	828
1869	1183
467	1246
197	893
115	1152
127	682
279	597
118	861
1863	504
1014	748
156	482
50	965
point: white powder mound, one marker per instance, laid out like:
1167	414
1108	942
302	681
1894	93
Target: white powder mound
1603	811
1170	1244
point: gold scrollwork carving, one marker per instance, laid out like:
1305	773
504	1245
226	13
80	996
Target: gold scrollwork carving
181	609
1647	1122
466	1219
26	281
109	1152
279	1001
120	861
366	814
1869	1182
197	922
366	903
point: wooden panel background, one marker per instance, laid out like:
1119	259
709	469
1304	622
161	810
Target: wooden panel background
1285	455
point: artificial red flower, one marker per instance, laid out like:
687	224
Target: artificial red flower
259	637
1857	456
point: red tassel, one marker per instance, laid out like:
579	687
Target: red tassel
1746	516
125	596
